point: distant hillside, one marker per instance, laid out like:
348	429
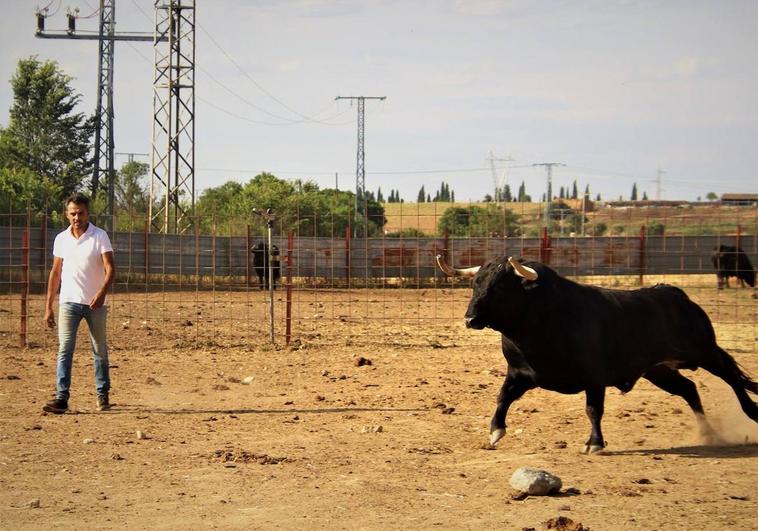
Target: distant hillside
619	219
424	216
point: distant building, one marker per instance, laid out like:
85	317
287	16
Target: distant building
739	199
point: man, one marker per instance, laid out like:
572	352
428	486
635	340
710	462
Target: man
83	270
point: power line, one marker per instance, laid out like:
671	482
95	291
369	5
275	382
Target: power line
287	121
104	131
255	83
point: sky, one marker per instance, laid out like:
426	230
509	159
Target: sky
617	91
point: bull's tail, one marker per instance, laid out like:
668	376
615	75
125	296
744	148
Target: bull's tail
726	368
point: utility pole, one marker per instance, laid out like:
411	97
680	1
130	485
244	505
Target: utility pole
173	147
130	155
360	170
499	184
549	193
658	183
104	138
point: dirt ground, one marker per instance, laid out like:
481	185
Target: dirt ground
213	427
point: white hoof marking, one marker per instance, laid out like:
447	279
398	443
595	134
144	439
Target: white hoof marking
592	449
496	435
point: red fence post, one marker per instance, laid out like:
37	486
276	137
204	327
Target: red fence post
545	247
43	244
288	317
247	258
147	250
643	254
348	261
446	246
24	287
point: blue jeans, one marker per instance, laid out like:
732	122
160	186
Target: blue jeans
69	316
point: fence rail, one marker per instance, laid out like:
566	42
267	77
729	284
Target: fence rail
202	289
379	258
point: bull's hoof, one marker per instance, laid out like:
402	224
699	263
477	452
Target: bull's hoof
590	449
496	435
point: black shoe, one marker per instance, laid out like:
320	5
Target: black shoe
103	404
57	406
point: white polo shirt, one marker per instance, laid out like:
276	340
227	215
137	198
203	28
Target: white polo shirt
83	271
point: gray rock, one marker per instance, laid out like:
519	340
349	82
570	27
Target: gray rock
535	482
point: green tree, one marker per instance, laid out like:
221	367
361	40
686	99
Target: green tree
44	134
21	188
599	229
655	228
491	220
132	196
219	204
299	206
574	191
711	196
421	195
633	197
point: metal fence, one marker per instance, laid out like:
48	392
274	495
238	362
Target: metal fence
201	289
377	259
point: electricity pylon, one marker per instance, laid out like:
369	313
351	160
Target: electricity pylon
360	170
173	147
549	188
104	138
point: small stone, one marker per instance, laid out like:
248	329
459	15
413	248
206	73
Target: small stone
141	435
88	441
372	429
34	504
187	322
563	523
247	380
535	482
361	361
324	373
448	411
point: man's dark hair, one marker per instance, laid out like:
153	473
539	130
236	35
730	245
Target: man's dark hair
77	198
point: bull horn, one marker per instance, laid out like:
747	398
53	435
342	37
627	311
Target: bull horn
453	272
522	270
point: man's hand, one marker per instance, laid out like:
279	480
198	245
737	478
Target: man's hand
97	301
49	318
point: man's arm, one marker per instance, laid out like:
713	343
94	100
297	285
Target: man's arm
53	285
110	272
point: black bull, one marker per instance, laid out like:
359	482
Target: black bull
731	261
260	264
569	338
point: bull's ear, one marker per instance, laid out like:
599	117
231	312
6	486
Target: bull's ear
522	270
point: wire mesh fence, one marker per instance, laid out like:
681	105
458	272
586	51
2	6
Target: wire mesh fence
337	286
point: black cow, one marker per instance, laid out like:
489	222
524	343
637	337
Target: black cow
260	264
569	338
731	261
